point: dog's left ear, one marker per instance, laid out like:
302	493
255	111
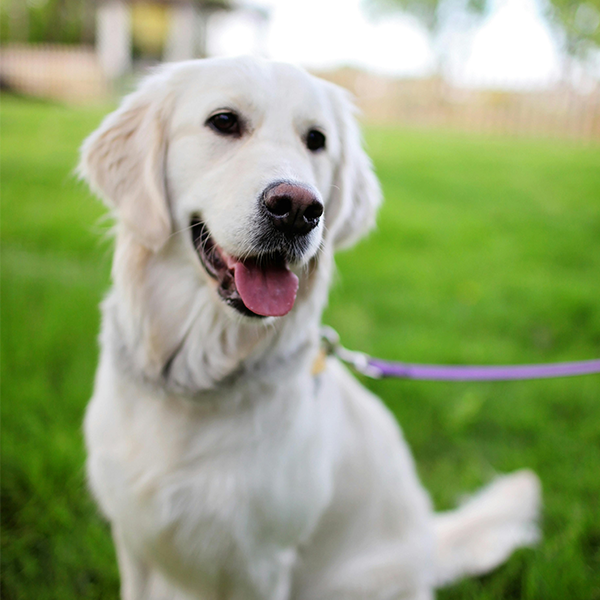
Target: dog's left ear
356	194
123	162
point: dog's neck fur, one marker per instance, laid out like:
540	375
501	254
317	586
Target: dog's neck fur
179	341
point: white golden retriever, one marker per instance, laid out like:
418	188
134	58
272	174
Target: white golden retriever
228	468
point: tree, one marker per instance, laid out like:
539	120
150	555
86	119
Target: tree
429	12
578	20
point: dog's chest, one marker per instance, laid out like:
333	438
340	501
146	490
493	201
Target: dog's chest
208	489
266	482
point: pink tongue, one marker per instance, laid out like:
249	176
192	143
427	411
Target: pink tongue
268	291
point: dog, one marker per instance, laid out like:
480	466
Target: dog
228	466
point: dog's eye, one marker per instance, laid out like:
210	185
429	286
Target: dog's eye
315	140
226	123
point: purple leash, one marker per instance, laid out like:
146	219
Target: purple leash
377	368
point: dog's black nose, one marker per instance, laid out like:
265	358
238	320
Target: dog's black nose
292	209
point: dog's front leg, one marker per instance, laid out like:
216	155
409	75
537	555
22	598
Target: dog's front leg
140	581
135	574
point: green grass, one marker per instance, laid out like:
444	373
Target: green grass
488	251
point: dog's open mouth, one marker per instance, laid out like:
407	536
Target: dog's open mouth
257	287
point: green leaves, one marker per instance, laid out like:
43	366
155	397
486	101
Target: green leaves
577	20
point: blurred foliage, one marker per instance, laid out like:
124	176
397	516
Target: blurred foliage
578	20
54	21
150	28
63	21
429	12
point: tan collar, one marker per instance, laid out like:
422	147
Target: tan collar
320	362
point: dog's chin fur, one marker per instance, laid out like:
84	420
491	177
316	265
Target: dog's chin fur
226	467
186	339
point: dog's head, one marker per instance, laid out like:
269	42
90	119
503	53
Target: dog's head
257	164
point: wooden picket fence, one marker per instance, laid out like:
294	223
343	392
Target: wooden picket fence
560	112
69	74
73	74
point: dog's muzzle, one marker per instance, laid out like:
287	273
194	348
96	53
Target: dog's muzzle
261	283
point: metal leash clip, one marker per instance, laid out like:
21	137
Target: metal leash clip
358	360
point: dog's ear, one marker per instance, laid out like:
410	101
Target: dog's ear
355	195
123	162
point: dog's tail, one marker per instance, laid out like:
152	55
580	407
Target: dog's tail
483	532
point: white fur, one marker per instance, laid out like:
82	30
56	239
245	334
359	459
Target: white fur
226	468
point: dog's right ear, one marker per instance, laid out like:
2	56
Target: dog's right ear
356	194
123	162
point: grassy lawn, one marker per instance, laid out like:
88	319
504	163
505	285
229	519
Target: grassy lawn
488	251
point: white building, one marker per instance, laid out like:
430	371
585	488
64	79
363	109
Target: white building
187	25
